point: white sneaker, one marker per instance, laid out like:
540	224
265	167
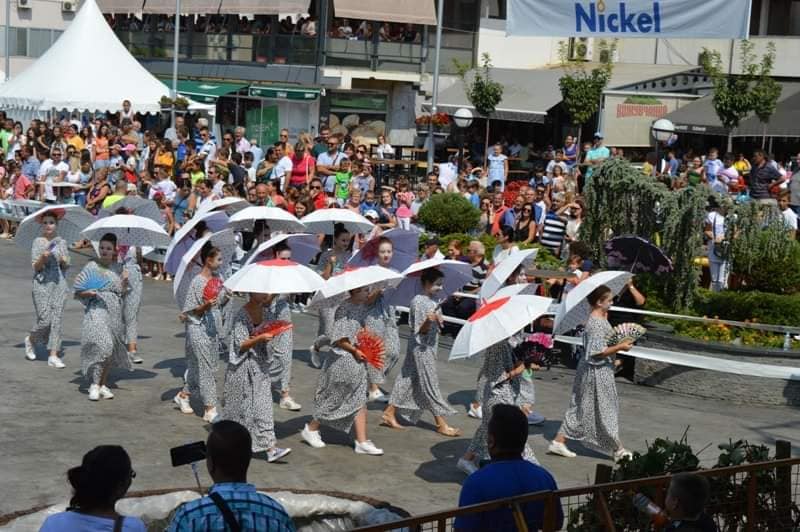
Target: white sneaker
535	419
135	358
556	447
367	447
210	416
183	404
287	403
316	361
105	393
94	392
276	453
467	466
378	395
30	351
312	437
622	454
475	412
55	362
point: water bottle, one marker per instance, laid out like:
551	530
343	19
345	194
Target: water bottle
658	517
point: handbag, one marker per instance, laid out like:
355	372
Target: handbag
721	249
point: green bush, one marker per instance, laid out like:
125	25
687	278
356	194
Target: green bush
775	309
449	213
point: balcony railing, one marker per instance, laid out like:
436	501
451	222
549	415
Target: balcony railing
243	48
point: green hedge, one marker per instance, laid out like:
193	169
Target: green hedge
449	213
763	307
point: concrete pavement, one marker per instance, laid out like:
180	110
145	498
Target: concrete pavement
48	423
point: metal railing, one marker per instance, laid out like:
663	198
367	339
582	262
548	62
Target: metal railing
754	497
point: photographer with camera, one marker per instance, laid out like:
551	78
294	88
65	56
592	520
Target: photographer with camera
231	504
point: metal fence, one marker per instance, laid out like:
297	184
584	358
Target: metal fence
761	497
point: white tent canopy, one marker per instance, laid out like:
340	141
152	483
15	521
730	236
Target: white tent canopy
112	74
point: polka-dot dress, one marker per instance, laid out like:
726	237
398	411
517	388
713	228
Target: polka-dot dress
497	390
203	337
382	321
327	314
342	385
417	387
593	414
49	292
133	298
103	330
247	398
281	347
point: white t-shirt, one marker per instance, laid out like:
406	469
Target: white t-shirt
209	149
167	187
281	169
218	188
790	218
552	164
48	172
717	222
500	254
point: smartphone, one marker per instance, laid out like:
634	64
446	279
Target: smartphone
188	454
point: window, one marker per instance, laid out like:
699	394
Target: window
497	9
40	41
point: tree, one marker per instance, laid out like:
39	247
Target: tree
482	92
449	213
737	95
581	88
766	91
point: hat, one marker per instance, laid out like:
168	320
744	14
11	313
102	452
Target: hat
129	148
433	241
371	214
131	187
598	135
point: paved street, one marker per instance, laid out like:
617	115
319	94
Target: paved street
48	423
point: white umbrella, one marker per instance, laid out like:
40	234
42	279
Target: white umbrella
276	276
72	219
130	230
335	289
518	289
190	261
456	275
500	274
277	219
497	320
574	310
304	247
325	220
405	246
136	205
184	238
226	205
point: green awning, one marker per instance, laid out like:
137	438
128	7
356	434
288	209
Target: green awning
204	91
283	93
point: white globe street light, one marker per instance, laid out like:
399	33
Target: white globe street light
463	118
662	130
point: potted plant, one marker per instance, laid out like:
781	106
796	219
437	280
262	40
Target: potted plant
422	122
441	124
166	103
181	103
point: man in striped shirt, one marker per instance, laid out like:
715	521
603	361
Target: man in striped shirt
227	460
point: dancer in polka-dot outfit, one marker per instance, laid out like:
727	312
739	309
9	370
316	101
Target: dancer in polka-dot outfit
247	397
103	331
417	387
132	258
50	260
501	375
593	414
340	401
204	334
330	263
383	321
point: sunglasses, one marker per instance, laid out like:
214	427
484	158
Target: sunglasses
331	144
316	187
361	151
284	136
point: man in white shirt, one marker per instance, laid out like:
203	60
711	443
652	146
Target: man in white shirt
215	177
283	168
258	153
558	161
432	249
208	151
789	216
51	171
241	143
172	132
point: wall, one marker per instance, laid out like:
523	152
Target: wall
514	52
44	15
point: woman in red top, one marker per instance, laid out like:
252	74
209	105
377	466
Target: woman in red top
303	167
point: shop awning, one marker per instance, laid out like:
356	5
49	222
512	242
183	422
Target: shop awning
403	11
253	7
204	91
283	93
700	118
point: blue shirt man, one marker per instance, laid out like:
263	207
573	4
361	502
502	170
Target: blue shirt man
507	475
596	155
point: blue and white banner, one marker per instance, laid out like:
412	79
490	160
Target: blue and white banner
707	19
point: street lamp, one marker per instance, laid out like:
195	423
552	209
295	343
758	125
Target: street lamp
462	118
662	130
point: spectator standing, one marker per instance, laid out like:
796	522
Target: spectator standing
570	152
508	474
763	177
505	245
322	145
241	144
303	167
597	155
104	476
497	167
715	230
498	210
329	163
554	228
208	148
232	503
52	170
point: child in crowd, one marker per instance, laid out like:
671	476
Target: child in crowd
404	198
342	182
